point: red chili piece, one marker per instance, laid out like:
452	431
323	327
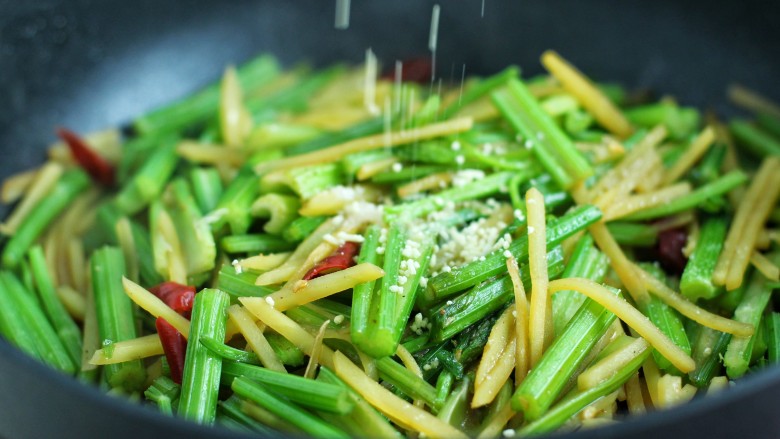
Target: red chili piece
177	296
670	245
97	167
175	347
180	299
417	69
342	258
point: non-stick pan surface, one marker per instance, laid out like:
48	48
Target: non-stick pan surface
91	64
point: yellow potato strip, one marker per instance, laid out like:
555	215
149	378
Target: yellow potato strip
634	203
264	262
634	398
286	327
44	180
75	302
634	173
156	307
754	226
690	309
210	154
540	329
521	322
431	182
371	169
752	101
652	180
332	201
76	262
324	286
299	256
617	259
616	174
410	363
16	185
671	391
314	356
498	360
368	143
589	96
742	216
694	152
174	268
254	337
609	365
391	405
765	266
620	263
497	423
631	316
128	350
232	120
127	243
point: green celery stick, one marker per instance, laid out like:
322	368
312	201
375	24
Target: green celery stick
754	139
280	210
67	330
255	244
115	315
696	281
148	182
542	387
71	184
202	368
285	410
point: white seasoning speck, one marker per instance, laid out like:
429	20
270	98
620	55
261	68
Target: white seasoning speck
507	254
338	319
455	146
531	230
269	300
508	433
397	167
460	159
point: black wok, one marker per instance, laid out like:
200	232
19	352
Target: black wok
91	64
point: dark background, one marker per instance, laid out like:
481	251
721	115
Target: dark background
92	64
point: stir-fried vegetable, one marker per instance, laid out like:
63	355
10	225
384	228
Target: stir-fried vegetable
279	254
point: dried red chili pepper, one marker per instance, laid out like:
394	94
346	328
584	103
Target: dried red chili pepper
670	246
97	167
175	347
177	296
343	257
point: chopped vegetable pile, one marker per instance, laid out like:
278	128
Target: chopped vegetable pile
339	252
